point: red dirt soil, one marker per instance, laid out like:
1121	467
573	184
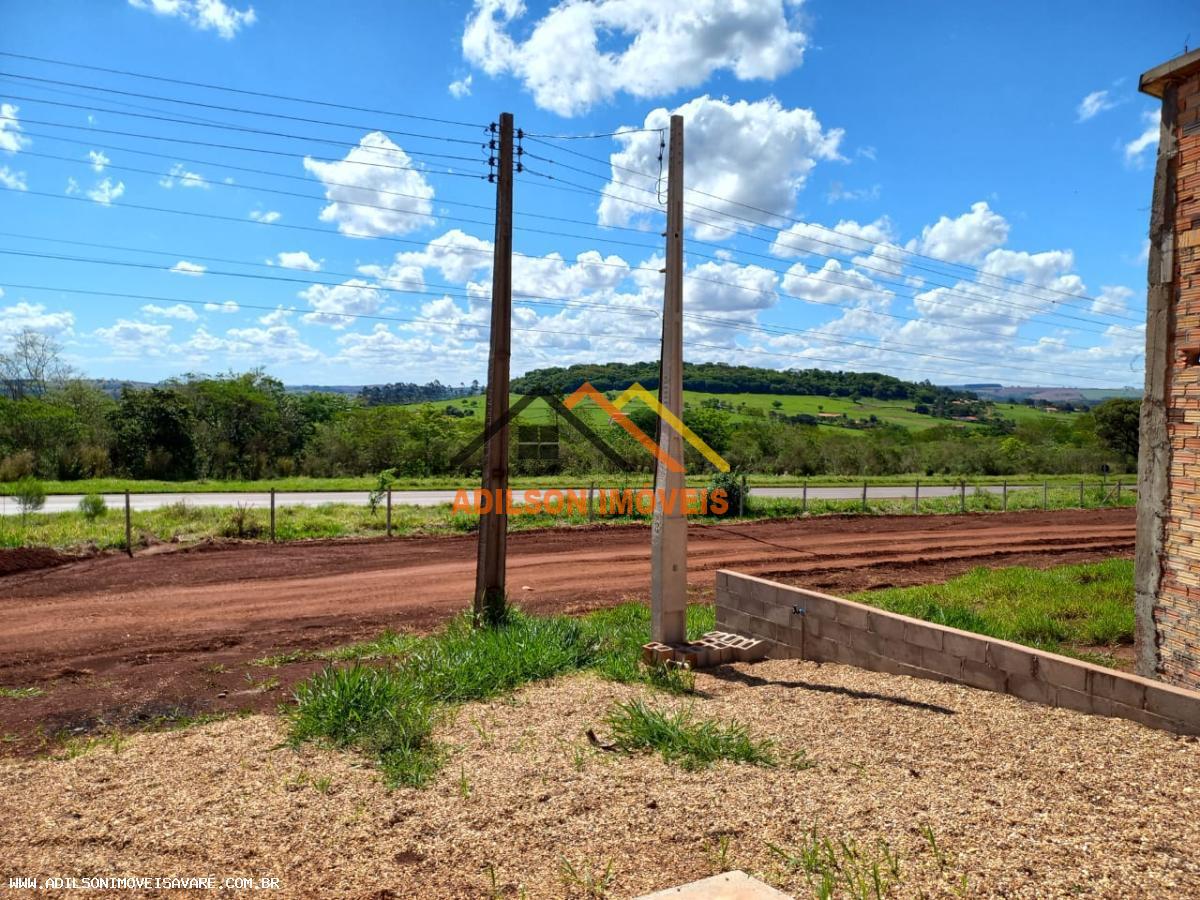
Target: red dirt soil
115	641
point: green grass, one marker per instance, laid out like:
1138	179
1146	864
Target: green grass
185	522
891	412
1062	610
389	711
682	738
24	693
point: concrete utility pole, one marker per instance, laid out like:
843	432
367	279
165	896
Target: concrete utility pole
668	536
490	600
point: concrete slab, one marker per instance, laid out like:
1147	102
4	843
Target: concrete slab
736	885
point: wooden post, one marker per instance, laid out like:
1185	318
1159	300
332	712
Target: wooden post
962	496
592	501
128	526
804	498
490	599
1004	495
864	500
272	515
742	499
1045	495
388	526
1082	502
1118	492
917	497
668	534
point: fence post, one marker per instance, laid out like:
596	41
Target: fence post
864	500
591	501
742	499
917	497
1082	502
1004	496
962	496
1103	489
388	526
1045	495
1118	492
128	526
272	515
804	498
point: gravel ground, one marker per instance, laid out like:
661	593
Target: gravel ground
1023	801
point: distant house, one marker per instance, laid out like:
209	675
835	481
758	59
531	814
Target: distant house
828	416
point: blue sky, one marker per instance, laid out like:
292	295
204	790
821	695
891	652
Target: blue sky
951	191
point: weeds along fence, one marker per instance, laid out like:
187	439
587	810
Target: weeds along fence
128	521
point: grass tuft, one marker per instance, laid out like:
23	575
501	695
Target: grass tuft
684	739
390	711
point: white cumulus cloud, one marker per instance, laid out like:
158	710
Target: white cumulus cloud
98	160
229	307
179	311
1093	104
183	267
21	315
205	15
461	88
580	54
11	139
964	239
1135	150
380	174
298	259
336	305
758	154
13	179
179	175
106	191
267	216
135	339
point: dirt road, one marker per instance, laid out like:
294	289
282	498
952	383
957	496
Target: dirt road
115	640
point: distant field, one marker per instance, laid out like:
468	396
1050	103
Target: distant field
893	412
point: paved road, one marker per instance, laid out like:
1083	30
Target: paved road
68	502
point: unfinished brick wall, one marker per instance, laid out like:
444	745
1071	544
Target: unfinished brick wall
800	624
1168	560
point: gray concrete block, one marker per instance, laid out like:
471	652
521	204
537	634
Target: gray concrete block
888	627
1011	658
1127	691
1032	689
942	663
922	635
1063	673
1174	703
965	646
853	616
985	676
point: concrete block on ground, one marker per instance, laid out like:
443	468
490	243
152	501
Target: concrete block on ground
736	885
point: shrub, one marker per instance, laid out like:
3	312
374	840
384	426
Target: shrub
92	506
731	484
242	524
17	466
30	495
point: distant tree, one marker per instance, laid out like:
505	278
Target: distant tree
31	364
1117	424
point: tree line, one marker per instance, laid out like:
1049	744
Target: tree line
722	378
245	426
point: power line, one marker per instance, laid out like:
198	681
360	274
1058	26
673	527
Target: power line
234	109
232	90
478	251
229	126
262	150
588	137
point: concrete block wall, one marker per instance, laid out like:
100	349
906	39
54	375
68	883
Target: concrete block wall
801	624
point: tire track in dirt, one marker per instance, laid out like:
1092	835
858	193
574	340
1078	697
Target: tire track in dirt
109	636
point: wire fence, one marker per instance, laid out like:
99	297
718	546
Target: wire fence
129	520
